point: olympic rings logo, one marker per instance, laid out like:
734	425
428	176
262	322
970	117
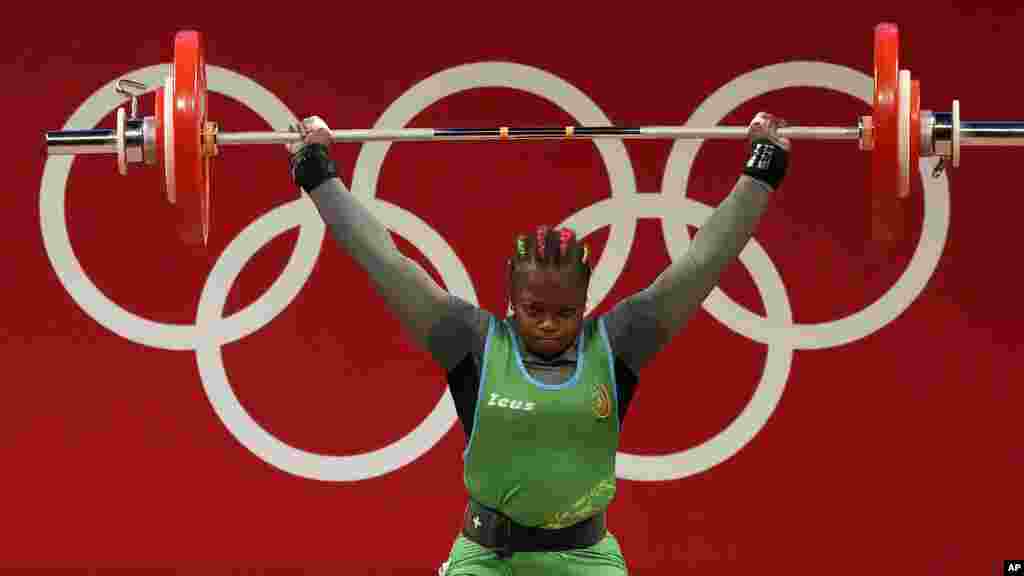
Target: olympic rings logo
620	212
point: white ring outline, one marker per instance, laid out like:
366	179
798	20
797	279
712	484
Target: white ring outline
211	331
538	83
98	306
908	286
781	340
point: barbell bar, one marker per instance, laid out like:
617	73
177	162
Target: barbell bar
180	138
939	129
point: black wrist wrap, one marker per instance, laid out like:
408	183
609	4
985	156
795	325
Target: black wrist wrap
312	166
767	163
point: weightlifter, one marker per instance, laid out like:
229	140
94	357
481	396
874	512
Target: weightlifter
542	392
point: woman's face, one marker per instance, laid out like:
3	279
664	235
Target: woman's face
548	306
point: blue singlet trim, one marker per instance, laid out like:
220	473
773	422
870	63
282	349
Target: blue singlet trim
483	386
611	367
522	369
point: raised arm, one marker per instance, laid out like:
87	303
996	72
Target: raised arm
644	323
438	322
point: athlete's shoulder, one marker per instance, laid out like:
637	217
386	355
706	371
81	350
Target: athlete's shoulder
461	330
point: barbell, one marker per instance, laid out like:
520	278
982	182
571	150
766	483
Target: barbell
180	138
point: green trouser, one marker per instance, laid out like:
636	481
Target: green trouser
468	558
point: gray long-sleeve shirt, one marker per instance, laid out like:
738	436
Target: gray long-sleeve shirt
453	331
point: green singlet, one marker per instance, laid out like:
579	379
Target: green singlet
542	454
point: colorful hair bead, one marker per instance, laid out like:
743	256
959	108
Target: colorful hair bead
564	235
521	246
542	232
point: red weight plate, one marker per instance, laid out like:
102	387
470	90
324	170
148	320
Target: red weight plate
167	133
158	131
886	216
915	128
191	170
903	109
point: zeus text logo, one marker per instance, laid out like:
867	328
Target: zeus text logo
502	402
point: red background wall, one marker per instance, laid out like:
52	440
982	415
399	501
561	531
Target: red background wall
899	451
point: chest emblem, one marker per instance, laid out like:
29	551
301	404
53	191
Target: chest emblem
601	402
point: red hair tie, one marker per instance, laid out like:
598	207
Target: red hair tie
542	231
564	237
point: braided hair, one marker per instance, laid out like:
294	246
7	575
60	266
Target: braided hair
551	249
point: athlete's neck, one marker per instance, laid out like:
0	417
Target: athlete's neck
567	356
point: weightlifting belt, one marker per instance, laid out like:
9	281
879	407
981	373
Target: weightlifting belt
492	529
